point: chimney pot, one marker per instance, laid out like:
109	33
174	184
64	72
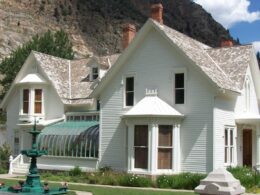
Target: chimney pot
157	12
129	32
226	43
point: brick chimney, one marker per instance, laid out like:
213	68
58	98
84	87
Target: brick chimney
226	43
157	12
129	32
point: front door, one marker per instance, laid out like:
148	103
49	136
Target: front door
247	147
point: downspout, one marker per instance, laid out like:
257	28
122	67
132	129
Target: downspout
70	82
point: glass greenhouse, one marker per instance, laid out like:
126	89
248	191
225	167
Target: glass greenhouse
70	139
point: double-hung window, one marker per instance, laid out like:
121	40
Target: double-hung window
129	91
165	147
32	101
179	88
94	73
229	139
38	101
141	146
26	101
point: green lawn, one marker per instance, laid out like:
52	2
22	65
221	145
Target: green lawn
108	190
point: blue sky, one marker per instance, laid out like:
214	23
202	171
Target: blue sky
241	17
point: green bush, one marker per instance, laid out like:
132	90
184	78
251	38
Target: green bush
186	181
246	176
76	171
5	152
135	181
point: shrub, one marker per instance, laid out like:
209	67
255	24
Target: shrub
5	152
186	181
135	181
76	171
246	176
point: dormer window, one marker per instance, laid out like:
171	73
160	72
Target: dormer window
38	101
32	101
26	100
94	73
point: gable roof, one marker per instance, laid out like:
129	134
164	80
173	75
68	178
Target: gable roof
67	77
218	68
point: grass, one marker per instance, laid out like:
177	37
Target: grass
97	190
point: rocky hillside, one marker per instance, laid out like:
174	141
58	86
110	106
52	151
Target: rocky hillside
94	26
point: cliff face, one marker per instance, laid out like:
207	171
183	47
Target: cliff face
94	26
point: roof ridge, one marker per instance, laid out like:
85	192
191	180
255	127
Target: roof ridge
37	52
180	33
234	46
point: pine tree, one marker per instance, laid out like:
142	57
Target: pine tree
56	44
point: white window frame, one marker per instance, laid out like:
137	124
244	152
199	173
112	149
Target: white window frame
166	147
231	149
180	71
22	102
247	94
124	91
96	74
32	101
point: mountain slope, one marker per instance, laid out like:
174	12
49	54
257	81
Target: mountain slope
95	25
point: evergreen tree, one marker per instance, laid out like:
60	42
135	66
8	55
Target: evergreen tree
56	44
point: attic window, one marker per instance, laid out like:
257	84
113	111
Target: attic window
179	88
26	101
94	73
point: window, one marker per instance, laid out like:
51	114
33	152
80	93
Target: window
26	93
247	94
94	73
179	88
98	105
32	101
38	101
141	146
229	145
129	91
165	147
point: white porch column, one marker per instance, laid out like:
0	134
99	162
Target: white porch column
258	144
130	164
177	152
153	148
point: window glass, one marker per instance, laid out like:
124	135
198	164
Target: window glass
141	146
38	101
229	145
26	101
165	147
94	73
179	88
129	91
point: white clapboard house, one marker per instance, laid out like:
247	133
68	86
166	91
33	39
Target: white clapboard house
167	104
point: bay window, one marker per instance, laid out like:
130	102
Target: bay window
165	147
141	146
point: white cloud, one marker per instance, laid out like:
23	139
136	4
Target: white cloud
257	45
229	12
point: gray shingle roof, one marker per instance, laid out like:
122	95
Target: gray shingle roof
234	61
226	67
67	77
70	77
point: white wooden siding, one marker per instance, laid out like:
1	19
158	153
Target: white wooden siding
154	63
223	116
